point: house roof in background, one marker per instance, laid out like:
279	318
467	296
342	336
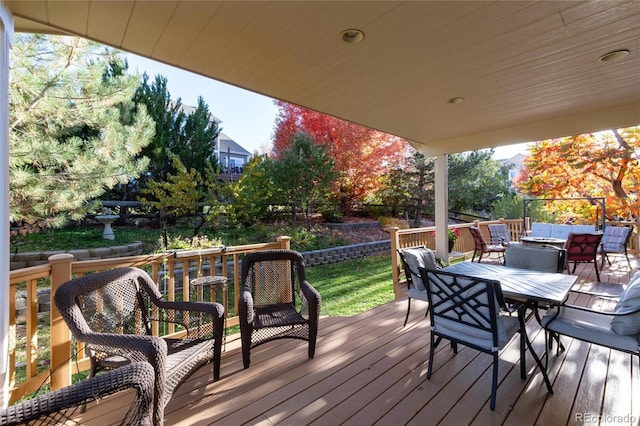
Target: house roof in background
527	70
229	145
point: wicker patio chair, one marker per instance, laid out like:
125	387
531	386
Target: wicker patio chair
58	407
276	301
113	313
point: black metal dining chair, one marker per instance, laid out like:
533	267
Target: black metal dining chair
471	311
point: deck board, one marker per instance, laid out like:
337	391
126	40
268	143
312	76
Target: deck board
369	369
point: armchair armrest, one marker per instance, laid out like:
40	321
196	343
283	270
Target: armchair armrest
596	311
314	299
183	313
245	305
64	403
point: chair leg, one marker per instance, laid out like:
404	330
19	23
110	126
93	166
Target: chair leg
595	265
246	346
408	310
494	382
313	336
523	366
432	348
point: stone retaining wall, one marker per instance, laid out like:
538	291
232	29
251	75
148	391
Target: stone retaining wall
342	253
24	260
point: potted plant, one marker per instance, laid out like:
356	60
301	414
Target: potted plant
453	235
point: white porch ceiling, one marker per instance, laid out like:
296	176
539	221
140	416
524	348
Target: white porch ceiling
527	70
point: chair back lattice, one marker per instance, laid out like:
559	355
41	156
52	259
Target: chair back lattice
116	301
462	306
273	278
582	247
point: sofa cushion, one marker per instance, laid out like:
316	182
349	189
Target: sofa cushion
541	230
560	231
583	229
629	299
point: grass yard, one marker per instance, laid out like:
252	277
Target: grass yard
354	286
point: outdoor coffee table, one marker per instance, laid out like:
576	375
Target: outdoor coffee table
558	242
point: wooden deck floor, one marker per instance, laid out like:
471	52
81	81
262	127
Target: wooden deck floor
368	370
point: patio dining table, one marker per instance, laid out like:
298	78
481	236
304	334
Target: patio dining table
532	288
523	285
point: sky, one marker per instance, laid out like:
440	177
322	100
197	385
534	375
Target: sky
247	117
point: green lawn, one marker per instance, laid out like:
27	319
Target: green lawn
354	286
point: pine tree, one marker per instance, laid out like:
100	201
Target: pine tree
190	136
73	129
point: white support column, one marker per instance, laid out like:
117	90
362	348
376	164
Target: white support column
6	34
442	207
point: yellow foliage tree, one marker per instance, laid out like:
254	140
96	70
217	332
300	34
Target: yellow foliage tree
185	193
604	164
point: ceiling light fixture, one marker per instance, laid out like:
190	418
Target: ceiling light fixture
456	100
616	55
352	36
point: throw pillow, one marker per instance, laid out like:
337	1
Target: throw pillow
628	325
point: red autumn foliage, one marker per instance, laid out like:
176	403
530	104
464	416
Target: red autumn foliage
361	154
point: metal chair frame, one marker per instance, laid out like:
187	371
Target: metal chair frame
481	247
473	304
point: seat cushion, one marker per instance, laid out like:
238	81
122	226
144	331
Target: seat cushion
630	299
499	233
589	326
561	231
507	327
414	293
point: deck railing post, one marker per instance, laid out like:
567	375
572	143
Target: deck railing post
285	242
60	335
395	261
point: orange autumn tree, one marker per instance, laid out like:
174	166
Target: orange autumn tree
362	155
604	164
